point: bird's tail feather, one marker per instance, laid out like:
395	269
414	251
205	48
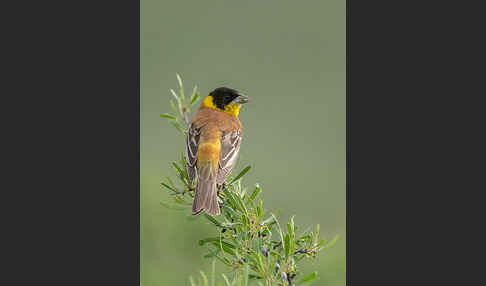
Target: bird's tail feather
206	197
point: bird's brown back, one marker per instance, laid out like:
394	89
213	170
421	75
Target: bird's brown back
209	119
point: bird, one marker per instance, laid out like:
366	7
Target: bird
212	146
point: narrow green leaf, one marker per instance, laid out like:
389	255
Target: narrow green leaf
321	242
228	178
291	229
178	126
215	239
261	264
242	205
212	253
205	278
223	260
252	258
175	95
330	243
194	97
178	100
306	236
224	246
179	200
237	188
229	224
309	277
166	115
231	200
191	280
243	193
179	170
181	86
179	79
260	208
255	277
244	220
287	245
316	234
213	220
255	192
226	280
229	211
172	105
169	187
279	231
269	221
241	174
170	181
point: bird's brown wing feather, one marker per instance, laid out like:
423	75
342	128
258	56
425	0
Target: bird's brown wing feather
230	146
192	143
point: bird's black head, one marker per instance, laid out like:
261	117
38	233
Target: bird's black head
222	96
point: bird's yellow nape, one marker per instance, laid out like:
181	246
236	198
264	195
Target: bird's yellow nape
232	108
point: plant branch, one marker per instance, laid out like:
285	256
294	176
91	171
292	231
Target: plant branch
244	241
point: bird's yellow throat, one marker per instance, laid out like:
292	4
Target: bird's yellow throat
232	108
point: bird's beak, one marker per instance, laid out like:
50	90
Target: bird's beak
241	99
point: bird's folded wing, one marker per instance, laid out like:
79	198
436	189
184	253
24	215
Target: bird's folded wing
230	146
192	144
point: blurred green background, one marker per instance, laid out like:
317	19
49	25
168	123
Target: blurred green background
289	57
